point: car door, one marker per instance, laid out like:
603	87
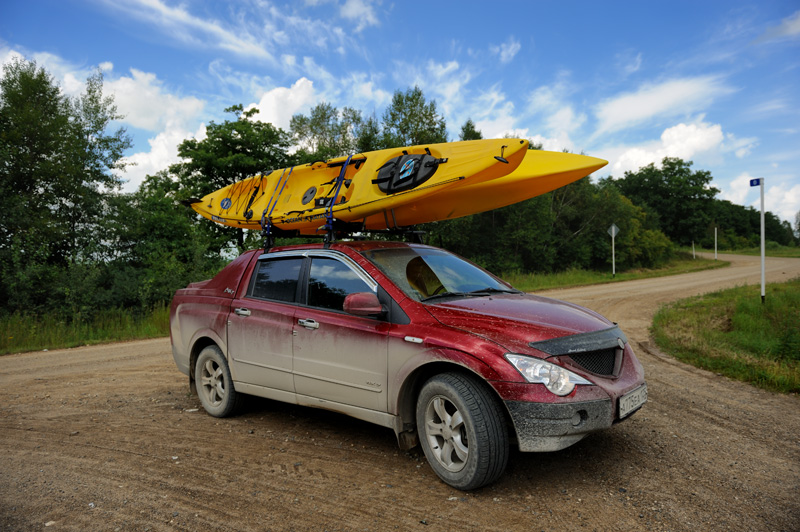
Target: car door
260	325
339	357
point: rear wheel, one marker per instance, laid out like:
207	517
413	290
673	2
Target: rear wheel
214	383
462	431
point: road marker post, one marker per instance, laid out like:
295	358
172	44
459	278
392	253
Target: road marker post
613	230
759	182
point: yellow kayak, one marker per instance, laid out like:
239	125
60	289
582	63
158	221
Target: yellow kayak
540	172
351	189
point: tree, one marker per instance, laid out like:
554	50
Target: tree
156	251
369	136
410	120
323	134
468	131
57	158
797	225
682	199
94	160
231	151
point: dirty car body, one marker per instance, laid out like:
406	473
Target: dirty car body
412	338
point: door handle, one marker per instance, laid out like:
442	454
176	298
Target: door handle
308	324
241	311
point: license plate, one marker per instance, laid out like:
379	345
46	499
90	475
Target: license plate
632	400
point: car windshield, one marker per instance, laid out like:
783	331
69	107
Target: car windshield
428	273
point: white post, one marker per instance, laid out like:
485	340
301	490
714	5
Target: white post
763	276
613	230
613	258
694	256
715	243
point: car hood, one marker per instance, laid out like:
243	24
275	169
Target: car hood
516	320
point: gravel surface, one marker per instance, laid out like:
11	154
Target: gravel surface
108	438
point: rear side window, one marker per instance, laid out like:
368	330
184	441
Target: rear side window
330	281
277	279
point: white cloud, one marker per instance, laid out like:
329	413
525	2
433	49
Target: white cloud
738	189
507	50
447	82
163	153
557	143
627	63
667	99
364	91
361	11
740	147
782	199
145	104
684	141
277	106
494	114
560	119
177	23
788	28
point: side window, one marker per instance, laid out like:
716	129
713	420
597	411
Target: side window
277	279
330	281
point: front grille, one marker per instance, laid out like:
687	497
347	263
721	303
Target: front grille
600	362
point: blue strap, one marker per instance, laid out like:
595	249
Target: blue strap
266	221
339	181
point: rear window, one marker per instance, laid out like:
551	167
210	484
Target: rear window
277	279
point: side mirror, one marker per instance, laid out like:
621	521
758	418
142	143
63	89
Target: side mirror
363	304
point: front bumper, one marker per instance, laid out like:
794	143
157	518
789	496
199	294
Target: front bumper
543	427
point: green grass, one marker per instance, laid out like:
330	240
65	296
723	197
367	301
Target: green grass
530	282
772	250
732	333
34	333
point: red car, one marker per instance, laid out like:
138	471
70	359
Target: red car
410	337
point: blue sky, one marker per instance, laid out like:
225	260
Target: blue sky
714	82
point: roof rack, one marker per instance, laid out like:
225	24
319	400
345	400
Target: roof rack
341	230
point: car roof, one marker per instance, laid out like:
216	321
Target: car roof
358	246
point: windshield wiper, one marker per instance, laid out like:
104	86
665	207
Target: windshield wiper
488	291
448	294
473	293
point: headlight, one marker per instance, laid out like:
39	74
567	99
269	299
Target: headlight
557	379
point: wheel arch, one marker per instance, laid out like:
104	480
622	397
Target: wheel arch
199	344
408	436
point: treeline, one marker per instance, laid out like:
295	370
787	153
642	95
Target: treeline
73	245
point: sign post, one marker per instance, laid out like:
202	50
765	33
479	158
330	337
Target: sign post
759	182
613	230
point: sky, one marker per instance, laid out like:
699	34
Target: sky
713	82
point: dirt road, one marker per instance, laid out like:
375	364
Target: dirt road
108	438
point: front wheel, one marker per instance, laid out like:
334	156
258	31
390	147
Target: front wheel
214	383
462	431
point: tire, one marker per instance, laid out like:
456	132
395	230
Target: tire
214	383
462	431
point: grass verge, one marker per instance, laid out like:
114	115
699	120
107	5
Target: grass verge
34	333
732	333
683	263
772	250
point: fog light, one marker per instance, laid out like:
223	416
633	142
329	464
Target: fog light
578	418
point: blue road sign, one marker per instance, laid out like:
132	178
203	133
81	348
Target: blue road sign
755	182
